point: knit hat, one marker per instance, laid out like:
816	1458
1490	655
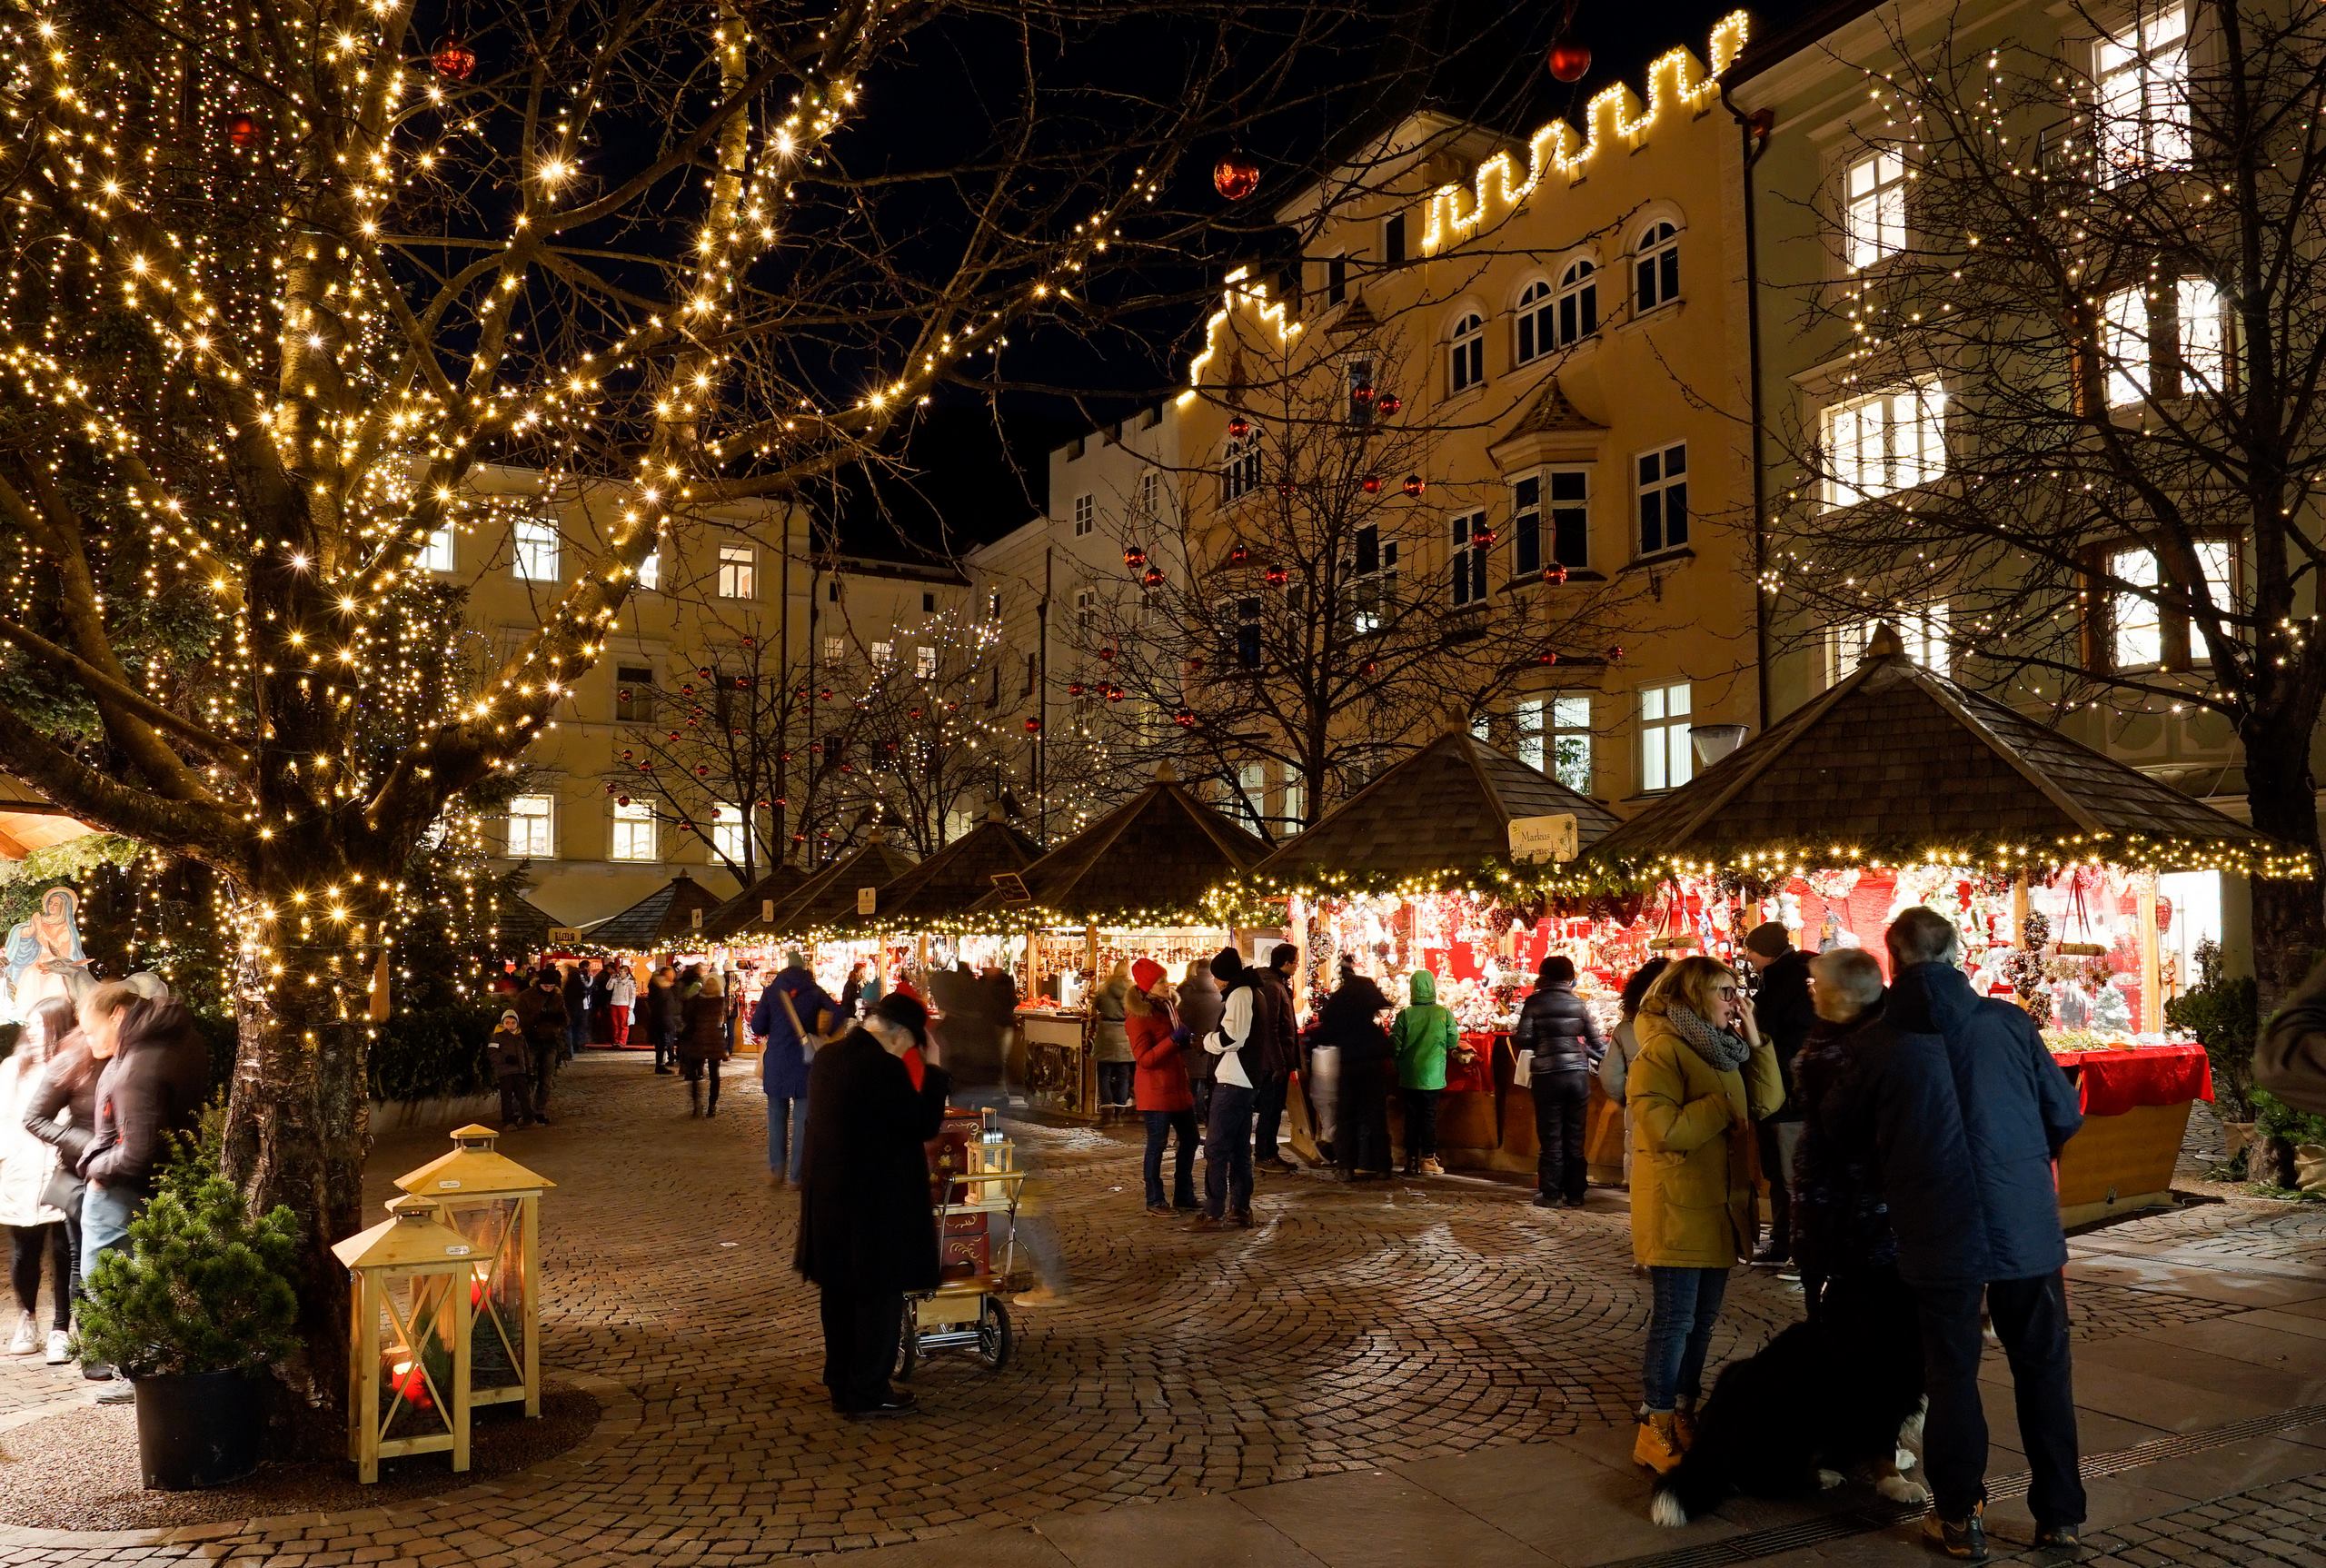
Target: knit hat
509	1016
1146	974
1767	940
903	1009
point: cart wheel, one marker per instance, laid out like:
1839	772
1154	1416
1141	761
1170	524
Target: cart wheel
993	1334
908	1344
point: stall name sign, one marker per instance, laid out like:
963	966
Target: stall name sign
1013	888
867	901
1551	838
564	936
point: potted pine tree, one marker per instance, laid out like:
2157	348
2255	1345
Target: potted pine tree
195	1309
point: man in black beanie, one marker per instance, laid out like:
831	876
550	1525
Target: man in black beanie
866	1232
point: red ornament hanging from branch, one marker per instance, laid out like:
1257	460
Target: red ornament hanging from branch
1238	426
1135	558
453	59
1276	576
1554	573
1415	484
1568	60
1154	578
1235	175
1389	403
245	129
1239	555
1370	484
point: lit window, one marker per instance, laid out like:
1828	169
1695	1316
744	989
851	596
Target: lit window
2138	346
2138	626
535	558
993	605
2141	631
1251	792
835	649
1889	441
633	837
924	661
738	571
1555	736
1375	569
437	555
1923	631
1468	556
1666	759
2124	343
882	653
1663	498
1876	216
650	570
2141	81
633	694
532	828
1086	515
1240	468
1465	354
1655	267
2204	337
730	831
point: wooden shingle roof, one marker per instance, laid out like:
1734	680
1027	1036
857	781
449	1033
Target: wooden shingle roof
661	918
943	886
1440	816
1148	862
1898	764
828	898
778	887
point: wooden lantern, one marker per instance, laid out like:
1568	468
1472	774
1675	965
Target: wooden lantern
495	1203
407	1338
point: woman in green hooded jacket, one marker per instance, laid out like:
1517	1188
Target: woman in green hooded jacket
1423	1036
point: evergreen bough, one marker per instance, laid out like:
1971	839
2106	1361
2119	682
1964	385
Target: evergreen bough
200	1286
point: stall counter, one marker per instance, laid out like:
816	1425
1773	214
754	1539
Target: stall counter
1058	1074
2136	1106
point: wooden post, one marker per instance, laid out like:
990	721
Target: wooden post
530	1217
364	1379
464	1369
2019	910
2152	1017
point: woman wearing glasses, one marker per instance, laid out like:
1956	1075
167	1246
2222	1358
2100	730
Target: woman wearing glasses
1703	1077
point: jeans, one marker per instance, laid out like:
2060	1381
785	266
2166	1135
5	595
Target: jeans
2031	1318
105	1214
1115	1082
1421	1124
1778	1142
1679	1332
1267	1114
787	1135
1227	1153
577	1033
862	1332
1161	1126
1560	1101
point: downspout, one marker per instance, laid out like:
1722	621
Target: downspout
1753	131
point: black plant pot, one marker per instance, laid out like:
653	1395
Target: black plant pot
197	1429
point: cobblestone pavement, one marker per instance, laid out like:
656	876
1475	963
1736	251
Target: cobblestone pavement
1352	1327
2282	1523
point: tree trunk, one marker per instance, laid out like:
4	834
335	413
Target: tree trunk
298	1127
2288	916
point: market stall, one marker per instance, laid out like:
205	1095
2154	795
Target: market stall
1423	870
1899	787
1132	884
822	917
667	922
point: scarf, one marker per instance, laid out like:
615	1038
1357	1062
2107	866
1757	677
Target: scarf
1725	1051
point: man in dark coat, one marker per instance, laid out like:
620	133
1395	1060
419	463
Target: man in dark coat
542	1014
867	1235
578	985
1556	1028
1969	1111
1350	1021
1780	1006
1280	1042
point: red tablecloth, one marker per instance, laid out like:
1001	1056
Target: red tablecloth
2111	1082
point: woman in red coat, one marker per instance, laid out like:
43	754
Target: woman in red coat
1160	1090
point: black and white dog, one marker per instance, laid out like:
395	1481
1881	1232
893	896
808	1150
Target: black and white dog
1822	1402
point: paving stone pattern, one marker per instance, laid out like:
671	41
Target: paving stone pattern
1355	1326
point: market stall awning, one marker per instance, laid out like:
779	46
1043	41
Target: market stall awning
827	898
770	893
941	889
1439	819
28	822
665	916
1148	862
1898	765
522	926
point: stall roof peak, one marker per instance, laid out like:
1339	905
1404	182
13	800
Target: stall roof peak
1158	853
778	887
665	916
948	881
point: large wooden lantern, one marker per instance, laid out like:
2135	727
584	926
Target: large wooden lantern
495	1203
408	1344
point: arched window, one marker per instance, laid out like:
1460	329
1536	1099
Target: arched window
1466	353
1578	302
1535	323
1655	261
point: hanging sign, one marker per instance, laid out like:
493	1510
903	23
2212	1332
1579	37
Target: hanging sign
867	899
1551	838
1013	888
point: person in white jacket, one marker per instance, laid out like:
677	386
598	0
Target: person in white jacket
35	1228
1227	1138
621	995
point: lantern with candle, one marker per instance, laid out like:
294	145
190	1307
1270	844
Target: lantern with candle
495	1203
408	1347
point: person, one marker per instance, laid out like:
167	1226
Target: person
578	987
704	1042
1558	1029
1841	1226
540	1013
791	1018
1110	1040
511	1061
1783	1010
1350	1021
852	989
2291	1060
1969	1111
602	987
63	1113
664	1016
28	1177
1235	1049
621	995
1701	1077
1161	1090
1280	1058
1420	1039
1623	1046
866	1236
1200	1008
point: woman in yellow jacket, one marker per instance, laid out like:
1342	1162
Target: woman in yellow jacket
1703	1077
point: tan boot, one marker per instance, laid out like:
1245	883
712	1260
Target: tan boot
1657	1446
1430	1166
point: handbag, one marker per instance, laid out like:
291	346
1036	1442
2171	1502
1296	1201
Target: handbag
808	1042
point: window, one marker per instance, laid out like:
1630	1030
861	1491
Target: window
924	662
1663	498
1563	539
1240	468
1548	320
650	570
2181	348
1335	279
1922	630
1392	241
633	837
1086	610
1667	760
1027	689
1251	792
2140	78
1876	215
738	571
633	694
1248	633
730	831
1482	726
1537	312
1358	372
929	604
831	591
1296	801
835	649
883	652
1086	515
1468	556
1377	578
535	554
532	828
1656	268
2143	632
1554	735
1889	441
1466	353
1150	495
437	554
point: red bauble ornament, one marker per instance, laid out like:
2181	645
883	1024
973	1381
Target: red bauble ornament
1615	654
1390	403
1106	653
762	805
1073	689
1554	573
1239	555
1184	720
1568	60
1415	484
1033	726
622	800
1286	486
1372	668
1370	484
245	129
1114	694
1276	576
453	58
1361	393
1154	578
702	769
750	642
1236	176
1238	426
1134	558
1546	657
1482	537
610	786
826	694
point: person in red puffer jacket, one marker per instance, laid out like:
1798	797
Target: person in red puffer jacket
1160	1090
